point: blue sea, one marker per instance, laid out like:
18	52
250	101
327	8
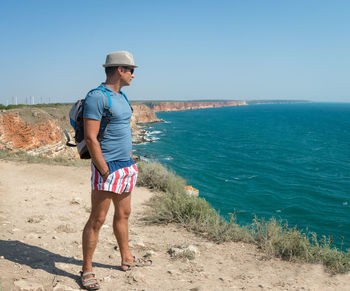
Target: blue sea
289	161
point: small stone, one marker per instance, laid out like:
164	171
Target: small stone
36	114
35	219
115	248
221	279
105	226
173	272
76	200
149	254
184	251
106	279
54	237
65	228
193	249
135	276
261	286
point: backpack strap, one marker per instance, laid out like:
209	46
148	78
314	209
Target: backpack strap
107	112
108	103
127	100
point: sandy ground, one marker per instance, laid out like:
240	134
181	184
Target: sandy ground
43	210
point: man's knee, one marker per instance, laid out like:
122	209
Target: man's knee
96	222
122	213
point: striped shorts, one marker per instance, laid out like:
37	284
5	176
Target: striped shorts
119	181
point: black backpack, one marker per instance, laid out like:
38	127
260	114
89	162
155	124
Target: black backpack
77	122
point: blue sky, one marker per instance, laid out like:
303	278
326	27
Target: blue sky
186	50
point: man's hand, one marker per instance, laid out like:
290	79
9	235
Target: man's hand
105	174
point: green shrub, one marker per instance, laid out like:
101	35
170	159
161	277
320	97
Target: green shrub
197	215
291	244
157	177
280	240
175	205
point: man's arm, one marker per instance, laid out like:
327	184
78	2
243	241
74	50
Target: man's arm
91	129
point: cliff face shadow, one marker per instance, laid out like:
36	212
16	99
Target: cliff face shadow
39	258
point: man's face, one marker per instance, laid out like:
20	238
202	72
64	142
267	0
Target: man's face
126	75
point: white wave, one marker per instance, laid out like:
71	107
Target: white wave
155	132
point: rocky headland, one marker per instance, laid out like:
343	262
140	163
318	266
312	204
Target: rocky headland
43	129
191	105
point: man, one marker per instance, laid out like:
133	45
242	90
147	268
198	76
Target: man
114	172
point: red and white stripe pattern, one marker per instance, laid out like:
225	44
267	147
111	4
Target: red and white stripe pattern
122	180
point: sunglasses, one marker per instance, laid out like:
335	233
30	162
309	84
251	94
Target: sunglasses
131	70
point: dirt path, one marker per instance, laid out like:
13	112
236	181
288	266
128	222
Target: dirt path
43	209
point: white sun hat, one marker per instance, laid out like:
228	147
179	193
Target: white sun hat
121	58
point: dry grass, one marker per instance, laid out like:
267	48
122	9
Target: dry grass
23	156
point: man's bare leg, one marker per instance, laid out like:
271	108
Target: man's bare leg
100	202
122	211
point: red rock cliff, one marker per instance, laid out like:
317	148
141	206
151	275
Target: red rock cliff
39	130
15	133
143	114
179	106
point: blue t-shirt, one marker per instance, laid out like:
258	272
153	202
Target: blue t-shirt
116	143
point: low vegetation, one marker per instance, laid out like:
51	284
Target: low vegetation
39	159
173	205
41	105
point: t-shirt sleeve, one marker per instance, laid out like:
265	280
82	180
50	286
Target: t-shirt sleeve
94	105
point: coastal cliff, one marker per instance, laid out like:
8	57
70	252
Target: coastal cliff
141	114
40	129
191	105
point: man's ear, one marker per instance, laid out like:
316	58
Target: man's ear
120	70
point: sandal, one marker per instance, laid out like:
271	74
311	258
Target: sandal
90	283
140	262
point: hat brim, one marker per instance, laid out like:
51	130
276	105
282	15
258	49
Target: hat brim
119	65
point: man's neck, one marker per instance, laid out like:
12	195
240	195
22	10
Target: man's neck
114	86
114	83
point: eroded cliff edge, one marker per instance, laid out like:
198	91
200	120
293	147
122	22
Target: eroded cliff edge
191	105
39	130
